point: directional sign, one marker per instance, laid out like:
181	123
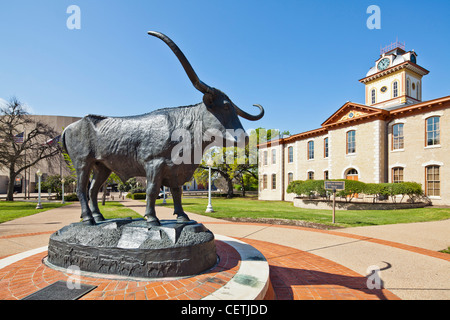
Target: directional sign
334	185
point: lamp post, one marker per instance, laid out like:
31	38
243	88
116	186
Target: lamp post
62	192
209	208
39	174
164	195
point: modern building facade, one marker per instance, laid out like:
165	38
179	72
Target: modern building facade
393	137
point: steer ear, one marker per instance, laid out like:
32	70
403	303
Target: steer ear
208	100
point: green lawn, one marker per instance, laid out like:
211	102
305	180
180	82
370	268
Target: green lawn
112	210
252	208
17	209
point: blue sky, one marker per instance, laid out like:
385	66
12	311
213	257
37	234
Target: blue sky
300	59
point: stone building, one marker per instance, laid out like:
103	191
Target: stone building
393	137
54	167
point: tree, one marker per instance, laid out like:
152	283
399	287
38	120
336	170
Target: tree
233	164
23	142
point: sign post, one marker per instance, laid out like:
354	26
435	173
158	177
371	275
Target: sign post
334	186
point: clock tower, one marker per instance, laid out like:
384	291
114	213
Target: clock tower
395	80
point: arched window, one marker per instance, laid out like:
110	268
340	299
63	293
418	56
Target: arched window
310	150
274	156
374	96
290	177
291	154
325	148
397	137
395	89
397	175
417	91
407	86
432	131
264	182
351	141
433	181
274	181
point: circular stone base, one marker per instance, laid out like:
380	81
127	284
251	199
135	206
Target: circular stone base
131	248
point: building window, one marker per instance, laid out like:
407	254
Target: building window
397	137
351	141
264	181
310	150
407	86
274	181
397	175
290	177
374	96
325	175
265	158
433	131
418	90
395	89
325	148
291	154
274	156
310	175
433	183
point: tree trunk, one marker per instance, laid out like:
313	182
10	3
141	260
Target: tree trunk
12	180
230	188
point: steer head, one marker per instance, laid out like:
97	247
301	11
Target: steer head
221	113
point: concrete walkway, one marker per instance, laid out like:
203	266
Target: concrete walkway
411	267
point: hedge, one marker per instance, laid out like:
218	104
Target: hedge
137	196
312	188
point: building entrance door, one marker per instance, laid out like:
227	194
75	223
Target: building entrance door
352	174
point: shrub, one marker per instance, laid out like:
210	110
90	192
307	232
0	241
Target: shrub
292	187
138	196
413	190
71	197
352	188
379	190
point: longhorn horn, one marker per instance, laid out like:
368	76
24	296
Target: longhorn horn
250	117
198	84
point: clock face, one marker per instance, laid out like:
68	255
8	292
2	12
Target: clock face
383	64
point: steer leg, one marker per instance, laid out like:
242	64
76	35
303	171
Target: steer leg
178	208
82	183
154	174
100	175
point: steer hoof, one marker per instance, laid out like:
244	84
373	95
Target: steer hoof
153	222
88	222
98	217
183	218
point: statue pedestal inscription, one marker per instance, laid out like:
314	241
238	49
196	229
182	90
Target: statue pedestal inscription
132	248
